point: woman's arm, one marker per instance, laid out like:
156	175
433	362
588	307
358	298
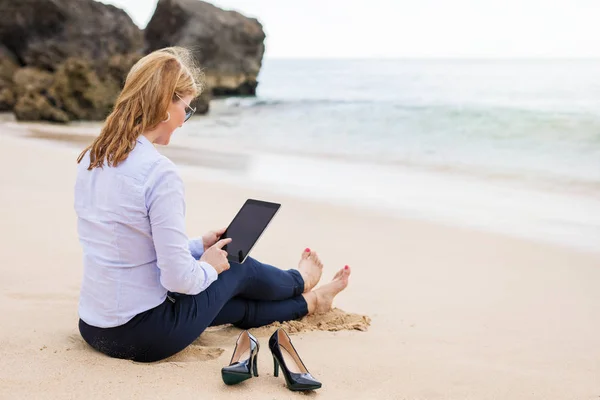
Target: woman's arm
180	272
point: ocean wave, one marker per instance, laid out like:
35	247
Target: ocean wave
472	112
246	102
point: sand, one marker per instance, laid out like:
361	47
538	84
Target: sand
431	312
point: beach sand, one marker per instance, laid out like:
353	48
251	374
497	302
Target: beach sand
431	312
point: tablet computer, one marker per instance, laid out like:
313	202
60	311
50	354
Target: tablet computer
247	227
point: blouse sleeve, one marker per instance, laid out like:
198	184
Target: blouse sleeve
180	272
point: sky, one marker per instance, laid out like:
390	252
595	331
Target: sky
415	28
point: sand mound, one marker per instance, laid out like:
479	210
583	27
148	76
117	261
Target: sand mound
334	320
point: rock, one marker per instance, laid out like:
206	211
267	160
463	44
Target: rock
43	34
70	58
77	54
118	67
73	92
7	99
228	45
202	102
35	107
8	66
79	91
31	79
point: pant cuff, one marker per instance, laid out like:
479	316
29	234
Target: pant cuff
299	287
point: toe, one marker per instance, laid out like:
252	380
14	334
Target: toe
345	276
343	273
305	253
346	271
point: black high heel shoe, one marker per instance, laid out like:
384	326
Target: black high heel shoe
285	356
243	361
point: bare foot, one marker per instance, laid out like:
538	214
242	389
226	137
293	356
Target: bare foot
325	294
310	268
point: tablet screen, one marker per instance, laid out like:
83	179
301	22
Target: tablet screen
247	227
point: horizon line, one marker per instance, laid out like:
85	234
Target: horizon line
441	58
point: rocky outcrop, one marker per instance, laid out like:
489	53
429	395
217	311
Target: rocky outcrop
43	34
74	92
228	45
70	57
64	60
31	79
8	66
7	99
36	107
81	93
30	87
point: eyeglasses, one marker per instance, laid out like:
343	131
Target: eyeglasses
189	110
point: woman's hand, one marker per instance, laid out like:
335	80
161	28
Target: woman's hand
216	256
209	239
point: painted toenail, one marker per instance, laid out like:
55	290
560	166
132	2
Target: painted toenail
307	250
346	267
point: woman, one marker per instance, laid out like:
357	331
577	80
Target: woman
147	291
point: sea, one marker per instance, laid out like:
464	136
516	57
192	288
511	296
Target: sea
510	146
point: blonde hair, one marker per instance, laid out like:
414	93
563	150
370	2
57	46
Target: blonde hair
151	85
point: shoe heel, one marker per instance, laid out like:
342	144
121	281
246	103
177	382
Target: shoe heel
295	381
255	365
276	365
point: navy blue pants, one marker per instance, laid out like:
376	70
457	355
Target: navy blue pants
247	295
